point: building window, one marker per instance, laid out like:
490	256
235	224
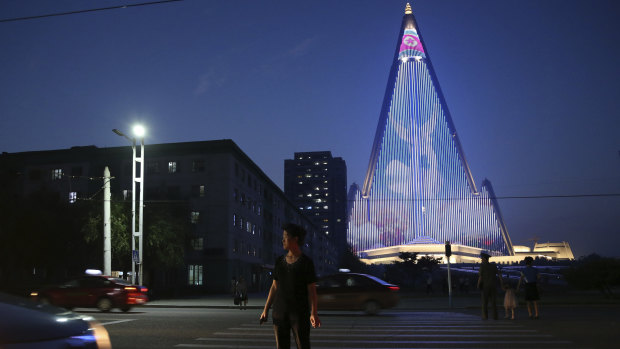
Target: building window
248	227
198	191
259	210
172	167
198	166
234	220
195	274
151	167
198	244
72	197
57	173
195	217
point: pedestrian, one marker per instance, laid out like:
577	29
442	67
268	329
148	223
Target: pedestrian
293	292
487	282
530	277
510	300
242	292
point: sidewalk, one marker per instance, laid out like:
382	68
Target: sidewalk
257	301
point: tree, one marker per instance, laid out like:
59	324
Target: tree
595	272
120	228
166	227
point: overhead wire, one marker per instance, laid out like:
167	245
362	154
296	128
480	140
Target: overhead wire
15	19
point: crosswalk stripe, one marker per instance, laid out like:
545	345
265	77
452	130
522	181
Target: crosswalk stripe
401	331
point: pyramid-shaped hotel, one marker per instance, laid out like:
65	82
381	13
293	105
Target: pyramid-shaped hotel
419	191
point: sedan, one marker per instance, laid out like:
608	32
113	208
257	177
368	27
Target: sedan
25	324
102	292
351	291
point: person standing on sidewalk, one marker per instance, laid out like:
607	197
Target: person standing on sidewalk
293	292
242	293
487	282
531	276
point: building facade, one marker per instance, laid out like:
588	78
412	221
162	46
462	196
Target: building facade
235	210
316	182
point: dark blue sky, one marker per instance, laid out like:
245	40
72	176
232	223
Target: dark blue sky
533	88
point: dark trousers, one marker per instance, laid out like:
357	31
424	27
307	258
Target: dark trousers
489	294
299	325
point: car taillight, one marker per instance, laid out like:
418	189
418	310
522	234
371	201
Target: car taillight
130	288
144	289
394	288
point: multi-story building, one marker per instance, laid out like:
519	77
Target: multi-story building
316	183
236	211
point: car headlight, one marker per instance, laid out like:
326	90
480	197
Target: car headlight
96	337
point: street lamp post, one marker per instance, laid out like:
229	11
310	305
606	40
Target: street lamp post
139	179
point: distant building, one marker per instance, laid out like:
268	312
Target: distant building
236	211
316	182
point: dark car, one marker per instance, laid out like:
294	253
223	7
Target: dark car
351	291
102	292
25	324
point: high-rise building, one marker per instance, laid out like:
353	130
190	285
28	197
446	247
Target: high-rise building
419	190
316	183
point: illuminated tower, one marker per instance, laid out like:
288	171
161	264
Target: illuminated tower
418	186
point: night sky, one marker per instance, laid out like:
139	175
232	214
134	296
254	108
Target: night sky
533	88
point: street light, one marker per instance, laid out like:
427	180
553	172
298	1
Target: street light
136	254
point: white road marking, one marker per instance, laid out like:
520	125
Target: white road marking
116	322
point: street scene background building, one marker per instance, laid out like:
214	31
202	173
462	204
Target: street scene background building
317	183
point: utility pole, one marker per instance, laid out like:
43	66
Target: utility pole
107	236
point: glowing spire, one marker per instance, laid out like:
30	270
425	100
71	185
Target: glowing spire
408	9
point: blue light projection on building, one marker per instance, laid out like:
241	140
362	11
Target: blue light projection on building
418	185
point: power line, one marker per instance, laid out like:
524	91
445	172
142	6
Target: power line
87	10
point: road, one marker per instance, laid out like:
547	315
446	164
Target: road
594	327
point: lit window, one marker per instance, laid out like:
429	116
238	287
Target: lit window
72	197
126	194
201	191
57	173
234	220
300	182
172	167
248	226
195	217
309	195
325	207
195	275
308	207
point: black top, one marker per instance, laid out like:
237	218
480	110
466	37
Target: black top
292	293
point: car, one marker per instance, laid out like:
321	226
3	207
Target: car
89	291
353	291
26	324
